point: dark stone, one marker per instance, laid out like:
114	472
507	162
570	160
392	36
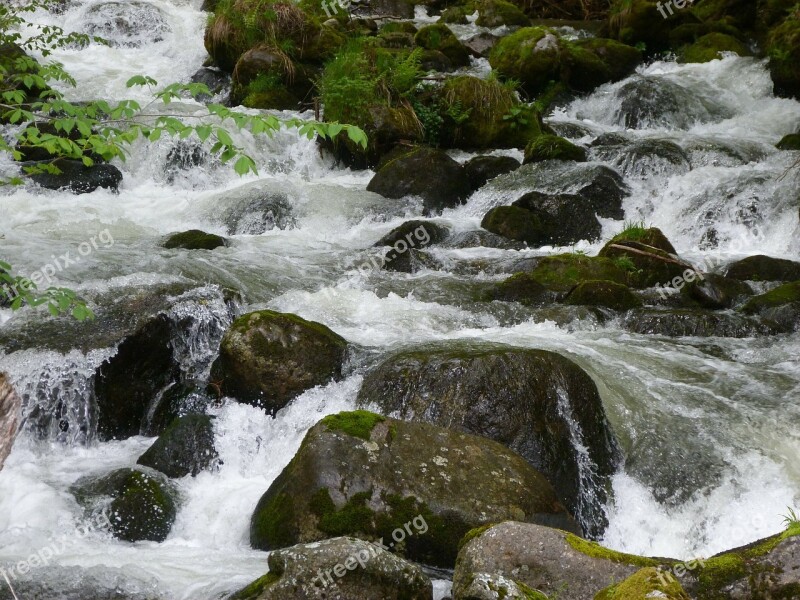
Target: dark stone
603	293
194	239
519	398
426	172
481	44
764	268
268	358
185	448
364	475
569	218
483	168
253	211
716	291
410	261
217	82
696	323
143	505
127	384
78	178
416	234
184	156
518	224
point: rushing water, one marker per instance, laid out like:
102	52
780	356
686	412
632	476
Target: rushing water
710	427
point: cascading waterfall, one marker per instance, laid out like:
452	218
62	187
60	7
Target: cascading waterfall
708	437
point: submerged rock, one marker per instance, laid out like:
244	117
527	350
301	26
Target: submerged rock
254	210
696	323
185	448
417	233
535	402
716	291
780	305
551	147
345	568
439	37
9	417
142	505
422	486
268	358
194	239
552	561
127	24
426	172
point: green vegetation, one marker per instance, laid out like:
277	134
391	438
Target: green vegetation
551	147
595	550
646	583
255	589
20	291
358	423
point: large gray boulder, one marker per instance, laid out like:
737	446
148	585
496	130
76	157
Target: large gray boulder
417	487
344	568
268	358
538	403
9	417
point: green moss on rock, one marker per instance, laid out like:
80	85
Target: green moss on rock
270	525
358	423
644	584
607	294
258	587
595	550
562	272
494	13
439	37
552	147
783	48
709	47
784	294
194	239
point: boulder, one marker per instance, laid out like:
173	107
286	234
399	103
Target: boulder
483	168
494	13
142	505
373	477
480	45
410	261
194	239
763	268
696	323
425	172
129	383
783	48
789	142
780	305
254	209
535	402
593	61
417	233
647	22
268	358
552	147
645	158
606	294
766	568
649	256
439	37
570	218
78	178
344	568
9	417
653	102
716	291
456	15
517	224
185	448
710	46
524	288
649	582
552	561
531	55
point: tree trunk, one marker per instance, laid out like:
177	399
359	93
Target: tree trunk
9	417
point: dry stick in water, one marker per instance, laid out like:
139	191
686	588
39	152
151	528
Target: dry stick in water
9	417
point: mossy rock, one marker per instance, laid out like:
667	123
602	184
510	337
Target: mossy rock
346	568
567	218
398	27
648	256
563	272
635	22
789	142
783	48
416	233
643	585
365	475
194	239
455	15
763	268
185	448
788	293
439	37
717	292
771	12
556	563
142	505
764	569
551	147
482	169
531	55
606	294
694	322
523	288
740	14
277	99
268	358
709	47
594	61
494	13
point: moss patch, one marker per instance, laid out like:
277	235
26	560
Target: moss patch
358	423
270	528
784	294
194	239
255	589
646	583
552	147
595	550
473	533
708	48
355	517
562	272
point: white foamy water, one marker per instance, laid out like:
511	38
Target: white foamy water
709	427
